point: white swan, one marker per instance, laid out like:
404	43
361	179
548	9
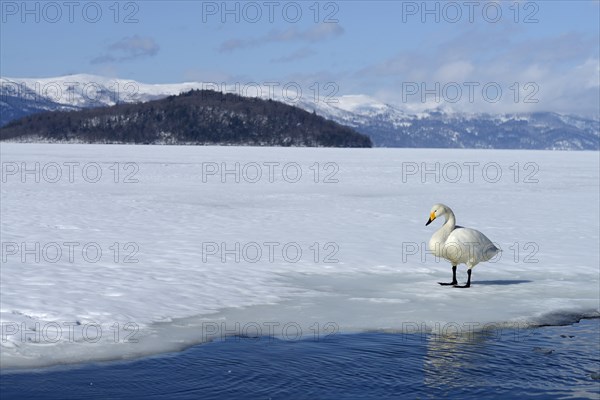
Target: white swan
458	245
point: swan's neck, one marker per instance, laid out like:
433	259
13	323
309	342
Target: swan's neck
442	234
450	221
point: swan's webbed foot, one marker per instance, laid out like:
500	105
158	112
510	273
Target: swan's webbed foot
454	281
463	286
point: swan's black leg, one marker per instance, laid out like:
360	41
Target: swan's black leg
468	280
454	281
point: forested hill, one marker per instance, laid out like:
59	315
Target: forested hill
195	117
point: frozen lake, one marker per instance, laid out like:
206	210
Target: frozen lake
113	252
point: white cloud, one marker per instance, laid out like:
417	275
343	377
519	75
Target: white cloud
456	71
314	34
127	49
541	74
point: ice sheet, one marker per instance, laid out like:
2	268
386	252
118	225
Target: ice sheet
359	223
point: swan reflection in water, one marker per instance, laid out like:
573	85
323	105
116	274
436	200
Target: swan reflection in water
455	354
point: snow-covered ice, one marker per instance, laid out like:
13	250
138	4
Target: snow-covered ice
354	237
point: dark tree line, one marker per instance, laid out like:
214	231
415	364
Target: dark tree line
195	117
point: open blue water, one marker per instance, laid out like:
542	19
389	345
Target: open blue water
543	363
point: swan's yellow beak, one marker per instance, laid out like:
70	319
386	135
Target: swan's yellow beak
431	218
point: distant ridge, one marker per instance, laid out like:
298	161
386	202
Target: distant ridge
199	117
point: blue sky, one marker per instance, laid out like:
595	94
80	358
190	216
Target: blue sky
532	56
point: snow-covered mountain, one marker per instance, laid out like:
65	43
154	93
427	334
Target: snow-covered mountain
387	125
84	91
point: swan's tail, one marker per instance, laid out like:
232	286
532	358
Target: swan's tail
491	252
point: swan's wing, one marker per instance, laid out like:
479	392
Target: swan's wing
474	243
468	235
